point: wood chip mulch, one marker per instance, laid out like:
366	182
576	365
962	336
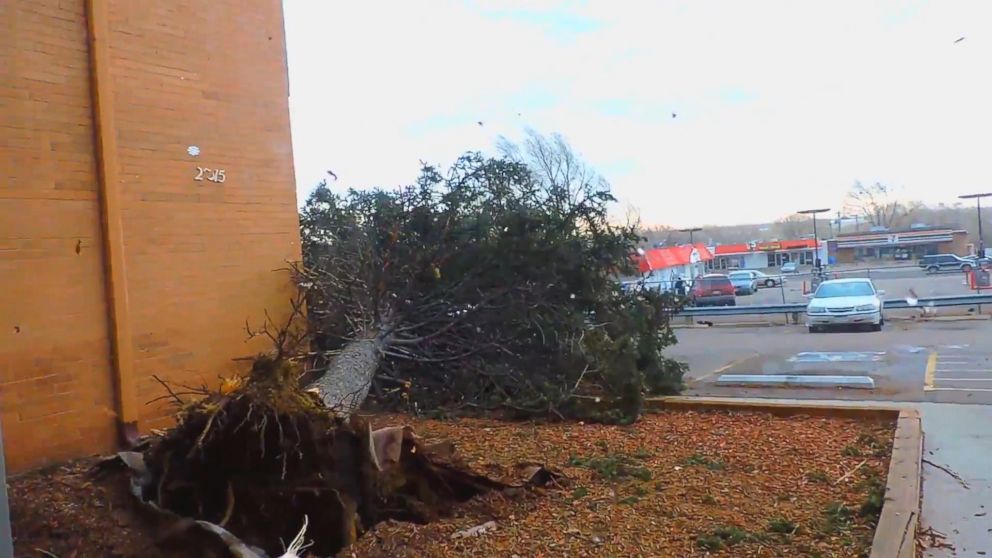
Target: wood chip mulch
675	484
679	484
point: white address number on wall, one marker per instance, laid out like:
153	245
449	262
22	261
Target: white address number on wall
213	175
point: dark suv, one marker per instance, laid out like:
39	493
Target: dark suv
946	262
712	290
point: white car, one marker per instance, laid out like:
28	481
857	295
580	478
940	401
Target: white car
762	278
845	302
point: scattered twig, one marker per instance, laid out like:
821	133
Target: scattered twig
45	553
851	472
953	475
179	401
932	538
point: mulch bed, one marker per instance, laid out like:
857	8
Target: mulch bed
675	484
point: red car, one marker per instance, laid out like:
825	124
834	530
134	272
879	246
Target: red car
712	290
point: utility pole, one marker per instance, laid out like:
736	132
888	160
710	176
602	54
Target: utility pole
816	241
690	231
978	200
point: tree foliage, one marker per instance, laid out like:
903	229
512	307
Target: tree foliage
489	285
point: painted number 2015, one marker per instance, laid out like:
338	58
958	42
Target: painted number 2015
213	175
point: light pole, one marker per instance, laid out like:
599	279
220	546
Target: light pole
978	200
816	241
690	231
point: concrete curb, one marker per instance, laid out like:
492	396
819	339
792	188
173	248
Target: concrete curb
962	318
895	534
796	380
724	325
778	407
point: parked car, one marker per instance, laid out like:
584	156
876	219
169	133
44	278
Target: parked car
946	262
790	267
763	279
712	290
744	282
853	301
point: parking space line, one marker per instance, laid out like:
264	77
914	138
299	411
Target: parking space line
724	368
959	389
931	371
964	379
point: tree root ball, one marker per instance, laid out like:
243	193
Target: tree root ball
259	458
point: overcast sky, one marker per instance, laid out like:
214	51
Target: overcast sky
778	106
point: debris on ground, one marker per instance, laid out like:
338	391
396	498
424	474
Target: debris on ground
249	464
932	538
676	483
475	531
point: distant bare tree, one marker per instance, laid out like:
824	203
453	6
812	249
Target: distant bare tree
879	205
793	227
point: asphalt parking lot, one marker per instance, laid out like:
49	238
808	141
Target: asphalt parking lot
939	361
896	283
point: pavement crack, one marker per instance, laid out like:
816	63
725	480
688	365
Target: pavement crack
953	475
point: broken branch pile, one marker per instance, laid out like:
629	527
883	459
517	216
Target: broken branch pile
262	456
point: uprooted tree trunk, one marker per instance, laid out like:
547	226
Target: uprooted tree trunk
264	457
350	373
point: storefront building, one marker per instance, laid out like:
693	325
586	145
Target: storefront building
904	245
766	255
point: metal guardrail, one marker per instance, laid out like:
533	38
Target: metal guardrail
793	308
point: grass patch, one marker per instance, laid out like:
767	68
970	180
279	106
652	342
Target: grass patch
579	492
868	440
782	526
612	467
709	500
817	476
837	517
851	451
711	464
641	453
722	537
874	499
874	446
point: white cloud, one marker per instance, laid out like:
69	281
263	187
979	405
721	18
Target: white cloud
780	105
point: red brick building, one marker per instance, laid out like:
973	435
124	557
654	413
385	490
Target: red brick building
146	198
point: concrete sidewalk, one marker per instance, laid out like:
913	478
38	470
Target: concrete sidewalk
959	439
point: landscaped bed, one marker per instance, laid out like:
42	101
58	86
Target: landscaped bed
676	483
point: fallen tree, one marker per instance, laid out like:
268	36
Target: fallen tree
249	464
490	286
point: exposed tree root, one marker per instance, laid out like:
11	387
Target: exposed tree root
266	457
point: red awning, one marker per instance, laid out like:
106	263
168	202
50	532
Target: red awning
732	249
660	258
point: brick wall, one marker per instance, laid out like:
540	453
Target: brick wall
200	256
